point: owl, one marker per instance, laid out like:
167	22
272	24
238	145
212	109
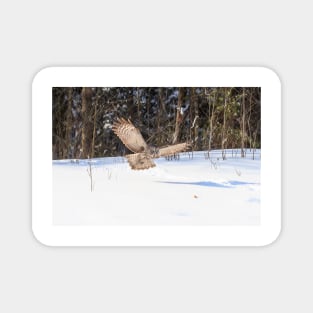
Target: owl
143	155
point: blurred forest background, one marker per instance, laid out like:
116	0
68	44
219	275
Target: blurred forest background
210	118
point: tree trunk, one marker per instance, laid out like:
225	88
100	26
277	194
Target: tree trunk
224	138
95	116
179	115
138	103
69	125
87	125
211	120
195	123
243	125
160	115
58	124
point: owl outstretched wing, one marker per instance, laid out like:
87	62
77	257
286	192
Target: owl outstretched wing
171	150
129	135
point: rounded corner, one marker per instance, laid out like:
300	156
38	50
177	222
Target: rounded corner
38	238
41	73
271	73
273	239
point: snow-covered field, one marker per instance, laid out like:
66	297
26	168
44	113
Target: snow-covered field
190	191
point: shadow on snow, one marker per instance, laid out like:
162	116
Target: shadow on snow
229	184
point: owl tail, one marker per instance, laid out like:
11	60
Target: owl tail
140	161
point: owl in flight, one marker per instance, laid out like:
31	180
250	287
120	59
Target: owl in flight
143	155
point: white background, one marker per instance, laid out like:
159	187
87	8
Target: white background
36	34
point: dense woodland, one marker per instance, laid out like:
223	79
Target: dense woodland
209	118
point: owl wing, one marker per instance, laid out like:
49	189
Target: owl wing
171	150
129	135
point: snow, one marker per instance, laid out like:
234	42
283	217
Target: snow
193	190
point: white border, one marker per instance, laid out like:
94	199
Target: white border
53	235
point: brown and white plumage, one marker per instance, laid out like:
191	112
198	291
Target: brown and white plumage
143	153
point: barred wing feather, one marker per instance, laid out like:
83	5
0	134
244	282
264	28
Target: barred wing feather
129	135
171	150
